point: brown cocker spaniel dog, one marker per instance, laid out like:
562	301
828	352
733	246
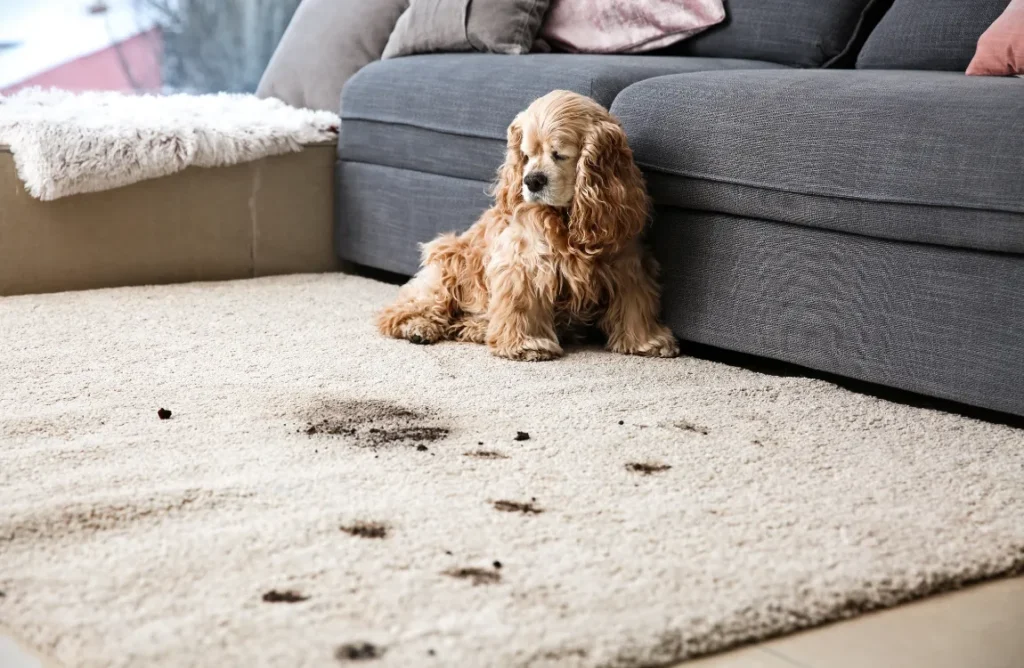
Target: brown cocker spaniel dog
558	249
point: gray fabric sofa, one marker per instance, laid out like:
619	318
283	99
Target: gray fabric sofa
863	222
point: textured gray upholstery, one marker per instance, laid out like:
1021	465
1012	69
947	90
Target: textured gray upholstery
479	94
931	157
958	228
940	321
384	213
409	147
802	33
448	114
929	34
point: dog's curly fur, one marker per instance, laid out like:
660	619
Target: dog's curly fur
544	259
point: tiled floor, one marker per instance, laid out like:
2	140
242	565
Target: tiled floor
982	627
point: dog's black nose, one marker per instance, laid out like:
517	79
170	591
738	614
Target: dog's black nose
536	181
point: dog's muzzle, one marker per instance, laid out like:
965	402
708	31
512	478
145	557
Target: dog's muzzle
536	181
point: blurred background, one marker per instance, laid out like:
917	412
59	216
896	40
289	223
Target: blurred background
195	46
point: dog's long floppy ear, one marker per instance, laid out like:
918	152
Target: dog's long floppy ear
508	191
610	205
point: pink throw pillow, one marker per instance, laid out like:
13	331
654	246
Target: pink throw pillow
627	26
1001	48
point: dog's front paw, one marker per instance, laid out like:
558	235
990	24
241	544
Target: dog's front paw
661	344
665	346
529	350
419	330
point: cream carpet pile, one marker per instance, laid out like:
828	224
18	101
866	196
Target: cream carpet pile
322	496
70	143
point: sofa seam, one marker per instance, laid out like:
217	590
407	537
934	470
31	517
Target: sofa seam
418	126
793	191
413	171
590	92
851	233
712	212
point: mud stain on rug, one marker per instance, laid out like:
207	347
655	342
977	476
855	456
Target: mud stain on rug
686	425
478	576
373	423
647	468
518	507
366	529
286	596
485	454
63	426
358	651
76	520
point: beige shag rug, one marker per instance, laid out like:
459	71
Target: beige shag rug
68	143
322	496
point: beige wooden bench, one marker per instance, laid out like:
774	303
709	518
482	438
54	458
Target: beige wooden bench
271	216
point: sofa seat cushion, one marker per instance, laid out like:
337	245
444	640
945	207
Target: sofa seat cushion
447	114
931	157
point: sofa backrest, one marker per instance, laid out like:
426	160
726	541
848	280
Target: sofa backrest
929	34
801	33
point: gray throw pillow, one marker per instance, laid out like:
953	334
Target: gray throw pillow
490	26
327	42
929	34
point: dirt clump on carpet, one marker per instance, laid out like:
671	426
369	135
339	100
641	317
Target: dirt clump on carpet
478	576
366	529
646	468
286	596
486	454
518	507
359	651
689	426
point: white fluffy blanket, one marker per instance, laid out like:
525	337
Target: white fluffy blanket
66	143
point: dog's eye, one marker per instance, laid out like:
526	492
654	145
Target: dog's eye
557	157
